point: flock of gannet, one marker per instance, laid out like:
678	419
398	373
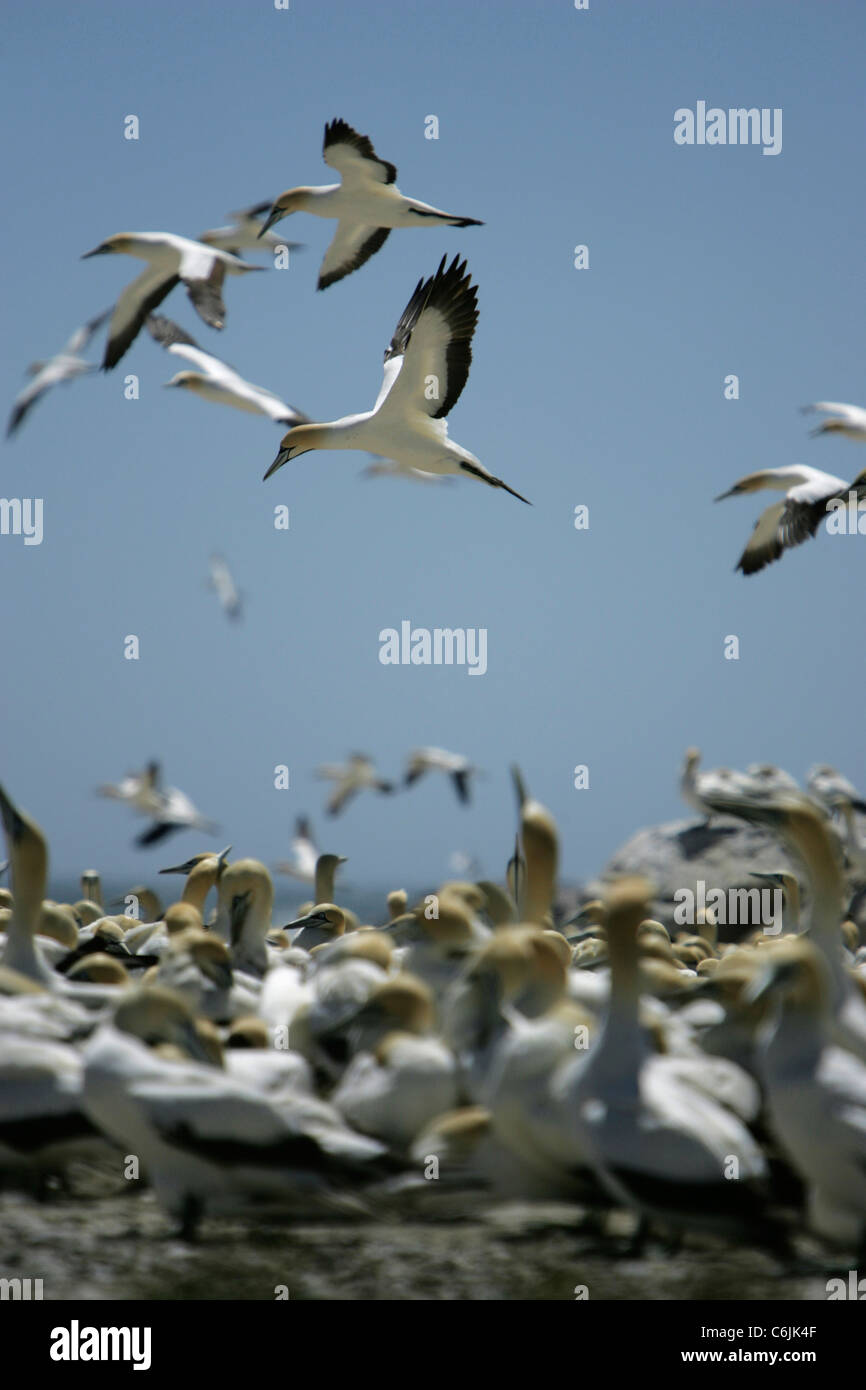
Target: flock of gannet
426	364
470	1043
324	1062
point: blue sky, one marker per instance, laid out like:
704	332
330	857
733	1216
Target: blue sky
602	386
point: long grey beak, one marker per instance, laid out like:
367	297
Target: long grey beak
282	457
97	251
273	216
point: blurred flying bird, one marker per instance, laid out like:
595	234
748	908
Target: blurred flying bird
223	585
354	776
454	765
66	365
245	233
794	520
170	259
849	420
216	381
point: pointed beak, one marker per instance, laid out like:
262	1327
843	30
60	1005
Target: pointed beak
97	251
179	868
273	216
282	457
313	919
722	495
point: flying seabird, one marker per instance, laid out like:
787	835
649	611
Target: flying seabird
170	259
64	366
140	790
223	585
245	233
216	380
351	777
454	765
426	368
792	521
367	203
849	420
304	854
175	812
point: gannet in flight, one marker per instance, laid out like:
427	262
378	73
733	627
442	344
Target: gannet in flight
454	765
794	520
359	772
426	367
64	366
170	259
176	812
221	581
367	203
216	380
138	789
849	420
245	233
304	854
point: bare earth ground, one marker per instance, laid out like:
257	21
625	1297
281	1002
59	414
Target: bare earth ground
121	1246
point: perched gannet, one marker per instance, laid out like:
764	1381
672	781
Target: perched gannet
399	1008
221	581
170	259
816	1093
206	1138
805	830
426	368
304	854
43	1125
175	812
650	1125
768	778
830	788
203	871
319	927
540	840
849	420
710	793
454	765
66	365
245	904
359	772
28	853
245	233
367	203
216	380
792	521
